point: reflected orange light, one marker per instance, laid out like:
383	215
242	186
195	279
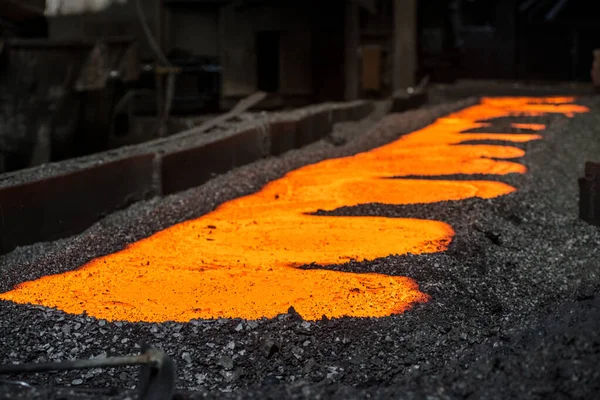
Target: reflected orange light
242	259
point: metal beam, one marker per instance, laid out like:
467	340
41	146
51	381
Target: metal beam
556	9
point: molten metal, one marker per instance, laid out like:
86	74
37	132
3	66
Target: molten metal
242	259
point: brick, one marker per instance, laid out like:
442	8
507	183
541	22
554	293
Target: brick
589	201
354	112
191	167
305	131
339	114
359	111
322	123
63	205
405	101
365	109
592	170
283	136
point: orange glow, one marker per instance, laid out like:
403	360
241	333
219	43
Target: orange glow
533	127
242	259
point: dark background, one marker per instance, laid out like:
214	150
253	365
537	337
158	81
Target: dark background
542	40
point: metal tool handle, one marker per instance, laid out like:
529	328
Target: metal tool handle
142	359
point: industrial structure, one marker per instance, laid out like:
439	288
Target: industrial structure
122	68
299	199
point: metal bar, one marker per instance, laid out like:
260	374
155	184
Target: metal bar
15	383
142	359
241	107
556	9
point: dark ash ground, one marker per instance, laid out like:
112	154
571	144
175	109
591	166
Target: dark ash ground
515	310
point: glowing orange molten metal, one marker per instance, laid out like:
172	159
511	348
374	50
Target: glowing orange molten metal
241	260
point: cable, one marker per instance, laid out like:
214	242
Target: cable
151	41
161	57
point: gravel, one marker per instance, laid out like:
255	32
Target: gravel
514	310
